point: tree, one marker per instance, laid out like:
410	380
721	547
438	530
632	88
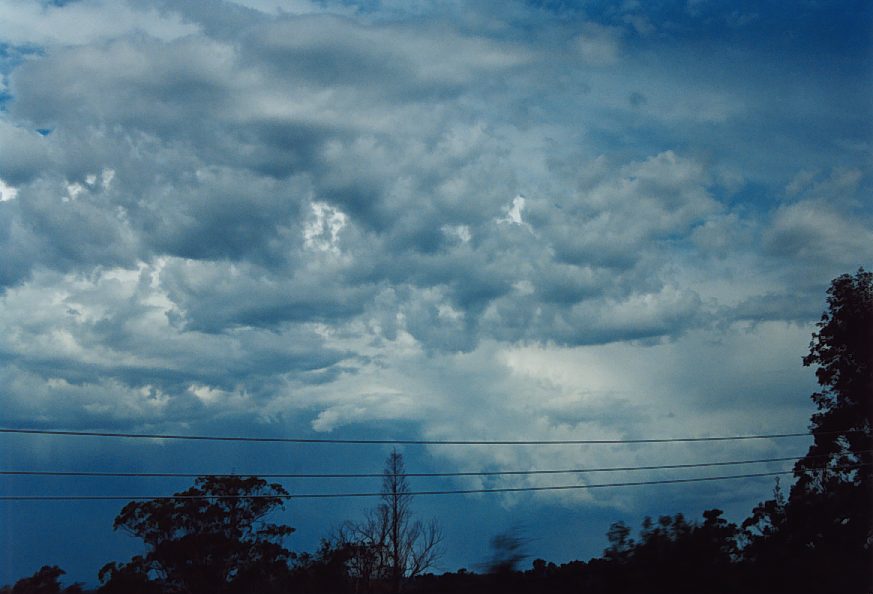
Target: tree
768	551
842	350
389	545
209	539
366	544
821	537
44	581
620	542
829	509
324	572
672	555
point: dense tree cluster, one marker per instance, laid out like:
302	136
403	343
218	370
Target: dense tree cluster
214	538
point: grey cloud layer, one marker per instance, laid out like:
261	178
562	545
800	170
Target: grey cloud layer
249	209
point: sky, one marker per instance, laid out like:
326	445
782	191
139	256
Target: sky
418	220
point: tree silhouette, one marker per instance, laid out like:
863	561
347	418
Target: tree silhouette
44	581
324	572
829	510
821	537
389	545
211	539
842	350
620	542
767	552
673	555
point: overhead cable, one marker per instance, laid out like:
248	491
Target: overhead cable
411	493
371	494
294	475
362	441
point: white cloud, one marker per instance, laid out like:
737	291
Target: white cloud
366	405
707	383
25	22
515	212
626	210
7	192
121	322
74	190
815	233
322	232
215	397
106	178
461	232
284	6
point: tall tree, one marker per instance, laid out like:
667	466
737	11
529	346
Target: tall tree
829	509
842	351
209	539
390	545
822	536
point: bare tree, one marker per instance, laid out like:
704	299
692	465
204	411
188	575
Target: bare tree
389	545
366	546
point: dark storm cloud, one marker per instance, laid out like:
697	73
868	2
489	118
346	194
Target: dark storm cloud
24	153
251	203
47	226
497	219
221	146
213	297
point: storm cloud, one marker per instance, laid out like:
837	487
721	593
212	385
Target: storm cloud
390	217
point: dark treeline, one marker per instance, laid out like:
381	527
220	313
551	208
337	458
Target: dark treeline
216	538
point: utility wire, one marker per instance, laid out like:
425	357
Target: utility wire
61	473
343	495
412	493
405	441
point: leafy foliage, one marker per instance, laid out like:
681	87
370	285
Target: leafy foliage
212	538
822	536
673	555
842	350
44	581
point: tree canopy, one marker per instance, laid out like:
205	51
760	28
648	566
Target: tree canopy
842	351
209	539
822	534
45	581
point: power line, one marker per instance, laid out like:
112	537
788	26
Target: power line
414	493
404	441
370	494
98	474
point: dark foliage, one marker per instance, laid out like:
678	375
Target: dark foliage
821	538
326	571
211	540
44	581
